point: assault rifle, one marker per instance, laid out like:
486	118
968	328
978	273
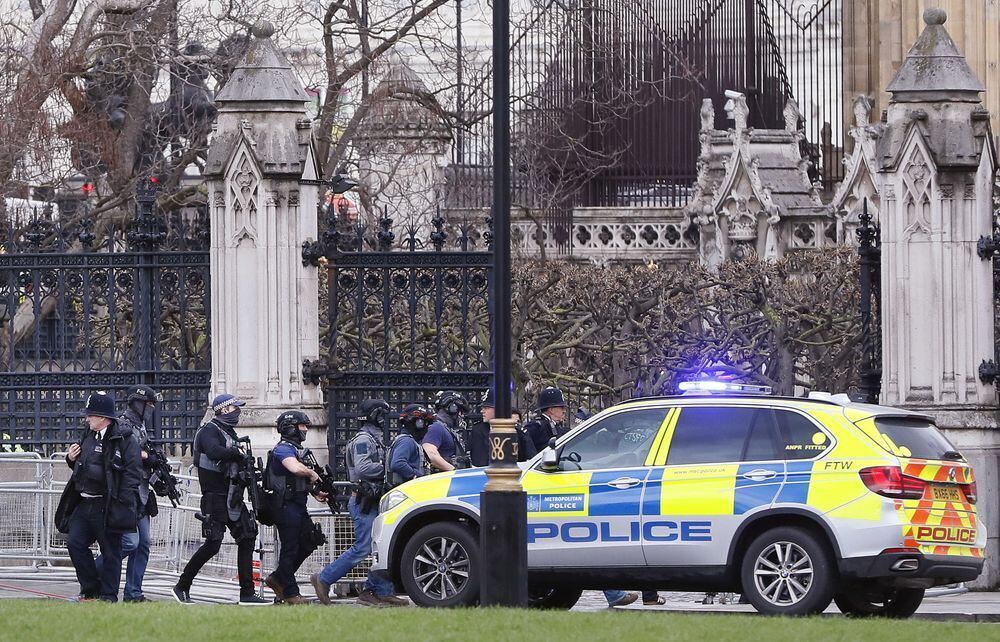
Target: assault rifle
246	474
161	478
326	484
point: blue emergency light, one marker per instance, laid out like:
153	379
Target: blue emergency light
708	387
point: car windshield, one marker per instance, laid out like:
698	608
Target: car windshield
912	438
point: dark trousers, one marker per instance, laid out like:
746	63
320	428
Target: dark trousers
243	530
86	527
294	535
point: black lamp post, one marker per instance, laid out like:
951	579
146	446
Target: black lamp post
503	503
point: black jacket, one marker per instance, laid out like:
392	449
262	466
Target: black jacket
123	475
210	441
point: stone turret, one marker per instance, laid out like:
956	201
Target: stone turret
261	175
936	164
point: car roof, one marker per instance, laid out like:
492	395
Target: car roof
860	410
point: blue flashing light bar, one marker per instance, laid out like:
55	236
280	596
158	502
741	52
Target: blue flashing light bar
725	387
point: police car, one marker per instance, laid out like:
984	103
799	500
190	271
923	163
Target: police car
792	502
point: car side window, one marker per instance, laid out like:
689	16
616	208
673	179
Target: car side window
619	441
711	435
799	437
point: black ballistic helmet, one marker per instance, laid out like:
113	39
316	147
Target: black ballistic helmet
141	393
550	397
100	404
288	424
374	411
416	419
451	402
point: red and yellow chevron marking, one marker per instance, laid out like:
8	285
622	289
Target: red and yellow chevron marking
934	472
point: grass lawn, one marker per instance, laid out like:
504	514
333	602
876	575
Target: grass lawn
27	620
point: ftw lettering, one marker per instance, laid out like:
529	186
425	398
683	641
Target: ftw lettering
946	534
653	531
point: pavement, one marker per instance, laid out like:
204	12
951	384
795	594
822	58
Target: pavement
964	606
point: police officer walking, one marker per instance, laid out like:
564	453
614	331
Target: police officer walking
297	533
406	457
444	447
101	499
140	403
366	470
549	422
217	457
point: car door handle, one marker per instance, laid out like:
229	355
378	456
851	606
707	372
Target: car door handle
759	474
624	482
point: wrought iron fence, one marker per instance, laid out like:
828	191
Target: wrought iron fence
870	255
402	323
606	97
88	303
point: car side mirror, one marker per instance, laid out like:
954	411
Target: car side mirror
550	456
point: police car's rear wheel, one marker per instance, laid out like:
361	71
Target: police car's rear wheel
787	571
440	566
893	603
553	598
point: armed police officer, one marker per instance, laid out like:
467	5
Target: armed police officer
218	458
443	445
549	422
297	533
140	404
366	470
406	457
101	500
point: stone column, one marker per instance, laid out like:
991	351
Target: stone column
262	184
936	164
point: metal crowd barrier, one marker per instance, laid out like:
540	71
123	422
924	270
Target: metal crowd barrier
32	548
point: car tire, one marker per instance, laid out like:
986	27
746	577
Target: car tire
556	599
449	545
897	603
788	571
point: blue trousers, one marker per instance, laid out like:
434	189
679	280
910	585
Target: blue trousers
362	548
135	546
293	524
86	527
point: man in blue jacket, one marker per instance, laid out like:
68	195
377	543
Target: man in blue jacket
406	457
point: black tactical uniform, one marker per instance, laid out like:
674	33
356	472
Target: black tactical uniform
217	458
541	429
297	534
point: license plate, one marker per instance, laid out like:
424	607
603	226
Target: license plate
946	493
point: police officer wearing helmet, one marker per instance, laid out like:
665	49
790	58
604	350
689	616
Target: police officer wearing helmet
297	534
101	500
216	455
550	421
444	447
406	457
365	458
140	403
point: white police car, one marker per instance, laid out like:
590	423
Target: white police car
790	501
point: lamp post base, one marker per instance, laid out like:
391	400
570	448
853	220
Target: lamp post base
503	532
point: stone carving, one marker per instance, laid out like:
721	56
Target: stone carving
791	114
707	115
738	110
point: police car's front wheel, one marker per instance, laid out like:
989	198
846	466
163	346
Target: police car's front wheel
440	566
788	571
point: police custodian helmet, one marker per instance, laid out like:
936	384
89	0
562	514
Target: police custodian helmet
550	397
100	404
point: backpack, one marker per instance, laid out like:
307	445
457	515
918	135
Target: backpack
271	500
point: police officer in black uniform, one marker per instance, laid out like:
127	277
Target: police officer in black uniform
549	422
140	403
217	457
443	444
297	534
101	499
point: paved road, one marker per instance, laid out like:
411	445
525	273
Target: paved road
966	607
